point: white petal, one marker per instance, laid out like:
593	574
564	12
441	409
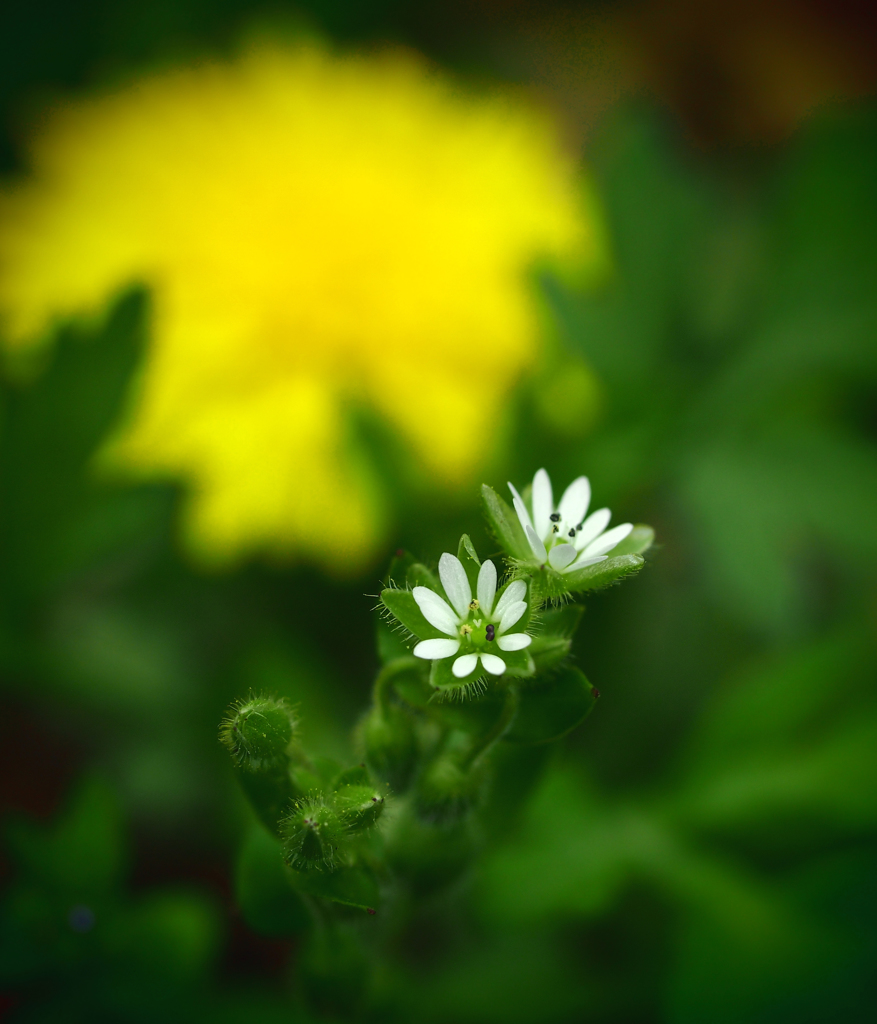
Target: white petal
487	586
559	557
514	642
543	503
495	666
456	583
434	649
520	508
584	562
536	545
513	593
436	610
511	615
592	527
607	541
465	665
574	503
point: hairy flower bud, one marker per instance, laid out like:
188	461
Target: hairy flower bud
258	732
359	806
312	835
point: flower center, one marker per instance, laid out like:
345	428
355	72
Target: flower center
560	531
479	633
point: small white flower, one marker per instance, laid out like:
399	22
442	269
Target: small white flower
475	628
562	536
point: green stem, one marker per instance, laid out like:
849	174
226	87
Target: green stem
397	667
498	730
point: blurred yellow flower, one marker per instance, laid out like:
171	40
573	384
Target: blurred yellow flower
319	234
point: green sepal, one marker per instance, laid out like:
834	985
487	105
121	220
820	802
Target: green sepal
268	904
504	524
603	574
639	540
442	678
352	886
553	708
470	561
547	584
359	806
401	604
518	664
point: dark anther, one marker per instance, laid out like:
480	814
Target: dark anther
555	528
580	526
572	533
369	910
555	517
595	692
400	552
491	632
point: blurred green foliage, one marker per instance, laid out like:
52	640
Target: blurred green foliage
704	848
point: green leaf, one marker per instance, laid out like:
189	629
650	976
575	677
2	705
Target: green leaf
267	901
550	710
350	886
639	539
401	604
603	574
504	524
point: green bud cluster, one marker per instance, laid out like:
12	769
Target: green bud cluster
476	678
320	828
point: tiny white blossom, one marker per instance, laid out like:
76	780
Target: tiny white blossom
561	535
476	630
